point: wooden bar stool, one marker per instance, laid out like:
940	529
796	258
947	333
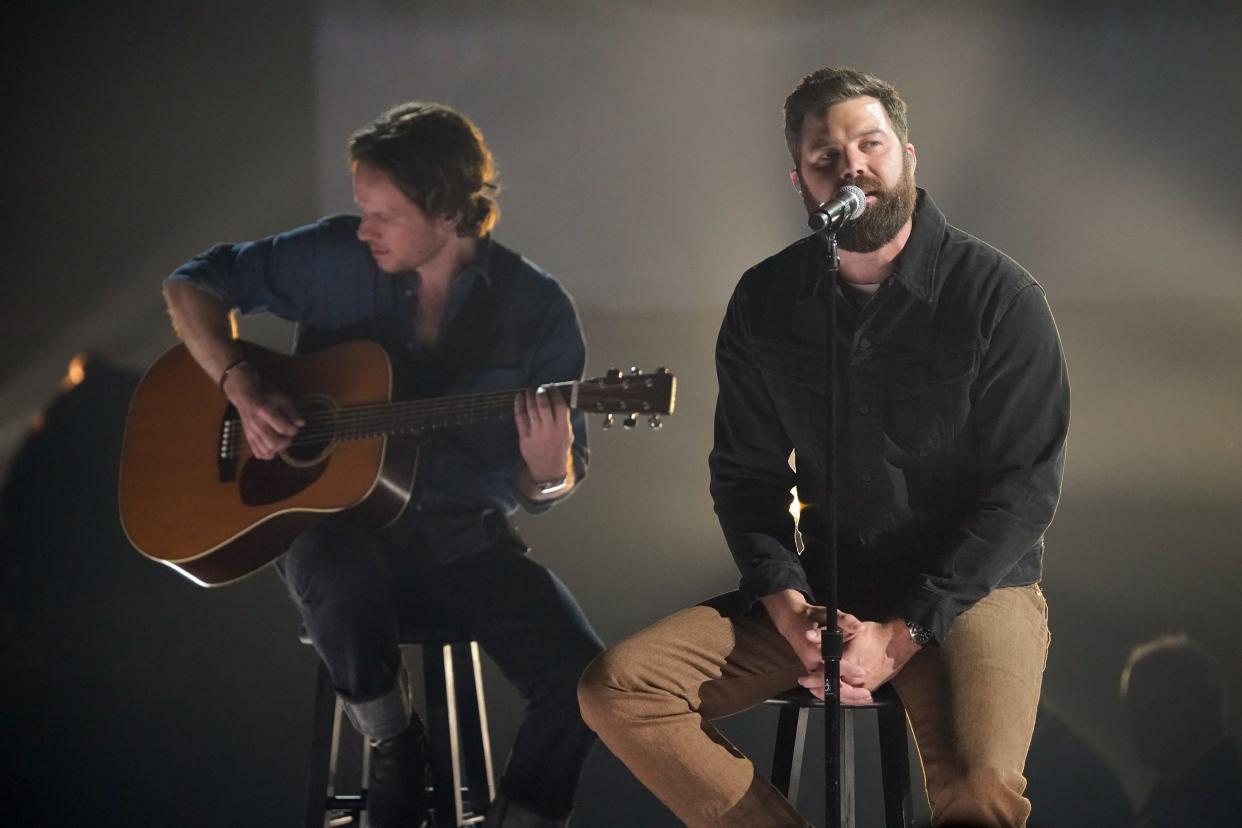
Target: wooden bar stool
459	748
795	707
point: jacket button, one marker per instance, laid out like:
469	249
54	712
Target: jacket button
864	409
866	477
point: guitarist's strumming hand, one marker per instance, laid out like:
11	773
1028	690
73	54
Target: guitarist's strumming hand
268	417
545	437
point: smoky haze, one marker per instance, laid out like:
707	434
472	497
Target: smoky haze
643	163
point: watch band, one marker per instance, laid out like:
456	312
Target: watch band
553	486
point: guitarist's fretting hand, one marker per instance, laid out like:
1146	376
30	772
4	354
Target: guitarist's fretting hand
268	417
544	437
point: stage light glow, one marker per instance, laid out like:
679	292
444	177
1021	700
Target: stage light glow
75	373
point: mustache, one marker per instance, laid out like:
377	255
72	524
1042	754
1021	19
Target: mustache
870	185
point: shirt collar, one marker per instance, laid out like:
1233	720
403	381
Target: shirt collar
915	266
481	267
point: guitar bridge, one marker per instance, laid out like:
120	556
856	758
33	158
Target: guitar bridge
226	456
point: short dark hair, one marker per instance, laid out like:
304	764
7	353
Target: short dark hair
828	87
438	159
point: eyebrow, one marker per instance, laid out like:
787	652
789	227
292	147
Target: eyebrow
820	142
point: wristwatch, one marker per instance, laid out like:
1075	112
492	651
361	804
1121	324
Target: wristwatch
553	486
919	634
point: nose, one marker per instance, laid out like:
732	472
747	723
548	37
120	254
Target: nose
854	164
366	231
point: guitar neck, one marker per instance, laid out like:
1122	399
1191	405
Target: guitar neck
389	418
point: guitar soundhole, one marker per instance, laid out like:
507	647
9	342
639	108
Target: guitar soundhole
263	482
317	437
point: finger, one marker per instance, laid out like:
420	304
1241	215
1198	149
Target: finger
560	407
848	623
817	614
291	413
520	414
271	419
815	683
812	660
258	443
544	404
532	407
854	695
851	673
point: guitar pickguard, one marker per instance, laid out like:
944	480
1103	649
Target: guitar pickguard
263	482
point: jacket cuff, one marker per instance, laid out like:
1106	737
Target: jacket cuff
773	576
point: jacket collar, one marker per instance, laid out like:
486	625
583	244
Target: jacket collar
915	267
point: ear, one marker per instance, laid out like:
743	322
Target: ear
914	157
795	178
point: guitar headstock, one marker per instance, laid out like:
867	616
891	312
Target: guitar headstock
632	394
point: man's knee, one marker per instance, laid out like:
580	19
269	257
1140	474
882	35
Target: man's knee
606	682
981	794
326	561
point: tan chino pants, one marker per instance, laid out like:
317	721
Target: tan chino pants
971	704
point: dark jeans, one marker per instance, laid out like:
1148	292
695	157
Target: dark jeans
355	591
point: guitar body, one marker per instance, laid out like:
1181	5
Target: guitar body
216	518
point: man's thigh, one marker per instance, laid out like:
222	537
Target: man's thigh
717	659
520	613
972	701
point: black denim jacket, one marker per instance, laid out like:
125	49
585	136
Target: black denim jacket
954	405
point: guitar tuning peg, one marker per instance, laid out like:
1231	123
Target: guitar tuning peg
613	373
607	421
655	422
630	421
635	370
661	370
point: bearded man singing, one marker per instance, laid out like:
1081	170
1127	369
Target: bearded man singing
953	415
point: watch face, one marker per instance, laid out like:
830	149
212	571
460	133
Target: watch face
920	634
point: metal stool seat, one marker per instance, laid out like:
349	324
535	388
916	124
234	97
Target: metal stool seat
795	706
459	749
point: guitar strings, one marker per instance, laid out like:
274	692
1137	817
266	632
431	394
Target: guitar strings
359	421
372	419
375	419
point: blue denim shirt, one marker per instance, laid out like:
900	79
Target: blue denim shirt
953	406
507	325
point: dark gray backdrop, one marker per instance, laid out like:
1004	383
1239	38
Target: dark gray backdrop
641	151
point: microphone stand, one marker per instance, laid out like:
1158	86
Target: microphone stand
830	641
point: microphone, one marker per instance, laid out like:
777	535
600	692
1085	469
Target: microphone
846	206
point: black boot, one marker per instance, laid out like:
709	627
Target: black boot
397	789
505	813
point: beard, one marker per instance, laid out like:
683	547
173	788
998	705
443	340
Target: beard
883	219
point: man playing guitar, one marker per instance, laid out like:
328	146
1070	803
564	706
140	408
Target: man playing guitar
457	312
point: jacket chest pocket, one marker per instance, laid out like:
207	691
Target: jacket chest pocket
927	397
794	377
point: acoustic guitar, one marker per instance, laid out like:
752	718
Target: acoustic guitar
193	497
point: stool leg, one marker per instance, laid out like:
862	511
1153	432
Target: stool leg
846	767
790	747
895	766
442	729
472	709
322	749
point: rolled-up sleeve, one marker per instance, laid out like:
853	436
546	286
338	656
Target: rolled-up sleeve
296	275
559	356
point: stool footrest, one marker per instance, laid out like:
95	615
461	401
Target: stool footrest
459	748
